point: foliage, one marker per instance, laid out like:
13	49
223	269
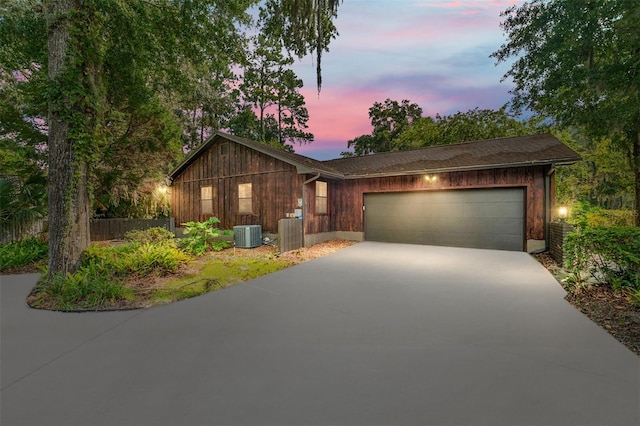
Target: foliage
101	280
399	127
22	201
21	253
86	289
473	125
269	84
604	176
588	76
603	217
583	215
109	79
204	236
608	254
134	259
302	26
155	235
389	119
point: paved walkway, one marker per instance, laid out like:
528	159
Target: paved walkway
374	334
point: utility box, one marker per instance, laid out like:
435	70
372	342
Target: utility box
247	236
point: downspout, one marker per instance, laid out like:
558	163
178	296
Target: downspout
547	201
304	204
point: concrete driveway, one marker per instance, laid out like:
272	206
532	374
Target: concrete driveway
374	334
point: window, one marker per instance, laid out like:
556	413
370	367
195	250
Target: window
206	200
244	198
224	149
321	197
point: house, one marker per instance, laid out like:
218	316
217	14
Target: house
496	193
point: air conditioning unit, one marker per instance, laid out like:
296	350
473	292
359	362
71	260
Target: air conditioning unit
247	236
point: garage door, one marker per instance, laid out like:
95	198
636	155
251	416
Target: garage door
478	218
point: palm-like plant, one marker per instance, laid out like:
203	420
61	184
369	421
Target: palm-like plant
21	203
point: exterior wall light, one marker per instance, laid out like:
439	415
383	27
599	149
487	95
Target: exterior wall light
430	178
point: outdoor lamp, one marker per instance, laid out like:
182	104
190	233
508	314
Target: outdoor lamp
562	213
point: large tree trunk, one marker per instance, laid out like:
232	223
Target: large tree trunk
68	171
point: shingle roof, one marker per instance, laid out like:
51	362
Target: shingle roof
486	154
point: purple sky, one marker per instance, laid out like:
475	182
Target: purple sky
432	52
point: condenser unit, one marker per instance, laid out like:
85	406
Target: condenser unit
247	236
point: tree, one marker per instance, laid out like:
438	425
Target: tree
578	62
473	125
268	83
389	119
302	26
96	67
603	178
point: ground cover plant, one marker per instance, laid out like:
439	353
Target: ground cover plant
102	279
30	252
151	267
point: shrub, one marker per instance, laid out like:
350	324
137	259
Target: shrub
101	280
204	236
585	215
134	258
87	289
157	235
602	217
22	253
608	254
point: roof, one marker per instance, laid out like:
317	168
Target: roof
303	164
517	151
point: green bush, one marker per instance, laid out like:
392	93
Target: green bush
602	217
157	235
101	280
87	289
608	254
134	258
22	253
585	215
204	236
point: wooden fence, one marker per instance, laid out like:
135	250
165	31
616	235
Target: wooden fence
115	229
16	231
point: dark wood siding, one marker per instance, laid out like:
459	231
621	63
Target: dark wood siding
276	187
346	197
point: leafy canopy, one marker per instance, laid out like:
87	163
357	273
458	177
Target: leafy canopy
579	63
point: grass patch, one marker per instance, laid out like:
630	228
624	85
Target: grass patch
216	274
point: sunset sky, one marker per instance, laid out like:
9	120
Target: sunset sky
432	52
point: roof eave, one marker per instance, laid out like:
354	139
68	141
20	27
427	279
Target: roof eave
555	162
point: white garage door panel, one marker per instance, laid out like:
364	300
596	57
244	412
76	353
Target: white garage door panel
482	218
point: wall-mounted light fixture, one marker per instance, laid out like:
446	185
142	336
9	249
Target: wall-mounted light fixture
430	178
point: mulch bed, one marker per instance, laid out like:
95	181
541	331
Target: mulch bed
611	310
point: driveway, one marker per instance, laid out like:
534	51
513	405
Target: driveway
374	334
